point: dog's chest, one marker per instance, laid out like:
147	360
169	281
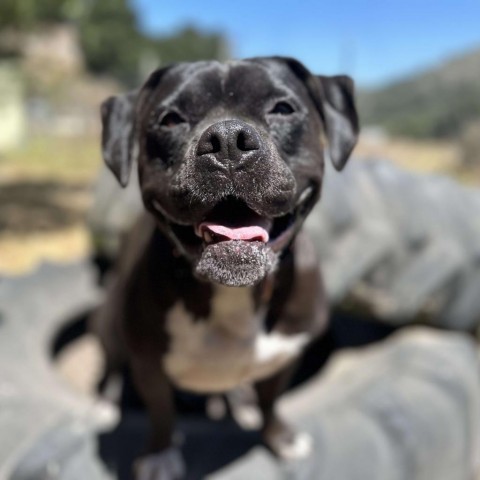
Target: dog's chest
227	348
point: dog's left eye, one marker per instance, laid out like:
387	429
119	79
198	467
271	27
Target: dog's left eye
282	108
171	119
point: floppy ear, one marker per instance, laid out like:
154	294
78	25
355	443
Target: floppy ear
335	100
340	116
118	126
118	116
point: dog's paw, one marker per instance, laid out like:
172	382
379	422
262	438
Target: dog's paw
247	417
288	444
243	404
300	446
216	407
166	465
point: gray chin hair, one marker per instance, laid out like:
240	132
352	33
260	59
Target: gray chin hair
236	263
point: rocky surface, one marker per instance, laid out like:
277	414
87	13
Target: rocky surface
406	408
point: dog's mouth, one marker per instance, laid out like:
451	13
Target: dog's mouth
233	220
235	245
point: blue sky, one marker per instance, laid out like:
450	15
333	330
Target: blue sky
373	40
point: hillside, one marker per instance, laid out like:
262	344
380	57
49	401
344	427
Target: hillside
437	103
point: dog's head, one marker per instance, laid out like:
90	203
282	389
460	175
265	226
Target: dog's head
230	156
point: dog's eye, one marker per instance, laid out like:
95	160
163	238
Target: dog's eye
171	120
282	108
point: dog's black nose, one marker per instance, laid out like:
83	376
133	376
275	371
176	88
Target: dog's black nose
231	142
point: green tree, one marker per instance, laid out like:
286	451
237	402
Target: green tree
111	40
189	44
27	14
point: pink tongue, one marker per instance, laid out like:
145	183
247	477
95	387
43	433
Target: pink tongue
253	232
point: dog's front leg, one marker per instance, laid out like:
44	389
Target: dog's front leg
283	440
163	460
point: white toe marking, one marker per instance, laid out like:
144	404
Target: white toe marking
243	404
166	465
248	417
301	447
216	408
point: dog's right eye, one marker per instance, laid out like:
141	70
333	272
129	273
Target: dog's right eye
282	108
171	120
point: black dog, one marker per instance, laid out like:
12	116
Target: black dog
216	287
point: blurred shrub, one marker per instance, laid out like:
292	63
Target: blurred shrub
190	44
437	103
27	14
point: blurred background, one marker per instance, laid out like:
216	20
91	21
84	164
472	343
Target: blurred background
399	239
416	65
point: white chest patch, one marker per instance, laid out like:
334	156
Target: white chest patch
228	348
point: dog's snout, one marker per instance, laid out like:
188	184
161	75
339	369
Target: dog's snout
229	142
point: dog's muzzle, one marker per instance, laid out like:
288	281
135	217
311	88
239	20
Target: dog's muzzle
249	211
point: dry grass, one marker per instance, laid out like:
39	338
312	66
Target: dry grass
44	195
53	158
420	156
